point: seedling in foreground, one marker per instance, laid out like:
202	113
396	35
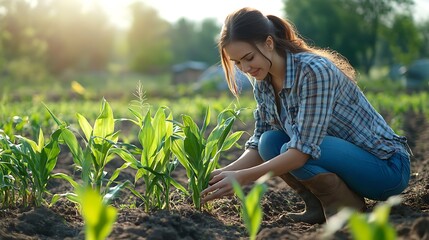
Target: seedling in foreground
363	226
98	216
251	210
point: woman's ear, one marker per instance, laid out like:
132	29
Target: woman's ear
269	43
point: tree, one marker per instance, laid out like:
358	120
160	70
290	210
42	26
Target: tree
78	38
207	42
195	41
148	39
53	36
404	39
327	26
351	27
183	38
374	14
424	30
22	48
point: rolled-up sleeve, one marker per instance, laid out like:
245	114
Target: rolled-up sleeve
316	102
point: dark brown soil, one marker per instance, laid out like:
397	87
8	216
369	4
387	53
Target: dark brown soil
182	221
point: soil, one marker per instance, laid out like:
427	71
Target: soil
62	221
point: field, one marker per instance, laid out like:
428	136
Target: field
407	113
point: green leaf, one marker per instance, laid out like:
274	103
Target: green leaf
41	141
193	149
58	121
85	126
67	178
231	140
105	123
360	228
71	141
250	205
98	216
206	121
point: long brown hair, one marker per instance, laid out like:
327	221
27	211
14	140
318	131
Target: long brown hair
251	26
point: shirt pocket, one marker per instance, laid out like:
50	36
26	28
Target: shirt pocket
292	114
266	116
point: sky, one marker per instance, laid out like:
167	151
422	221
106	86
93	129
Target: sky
197	10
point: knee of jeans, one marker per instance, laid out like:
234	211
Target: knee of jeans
268	146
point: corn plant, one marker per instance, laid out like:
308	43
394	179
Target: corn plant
251	210
27	166
15	182
99	140
7	188
362	226
199	155
98	216
7	180
156	162
40	158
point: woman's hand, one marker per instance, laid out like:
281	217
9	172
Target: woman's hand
220	185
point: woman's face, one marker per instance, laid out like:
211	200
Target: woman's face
250	60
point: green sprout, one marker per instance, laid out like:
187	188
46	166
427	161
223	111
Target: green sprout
251	210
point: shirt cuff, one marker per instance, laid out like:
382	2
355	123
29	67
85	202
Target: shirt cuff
311	149
252	143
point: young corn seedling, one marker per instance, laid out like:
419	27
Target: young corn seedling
98	216
199	155
16	177
40	159
27	166
7	180
7	190
251	210
362	226
100	140
156	162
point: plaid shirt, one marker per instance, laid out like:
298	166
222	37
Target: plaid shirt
320	100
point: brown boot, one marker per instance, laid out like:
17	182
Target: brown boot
313	212
333	193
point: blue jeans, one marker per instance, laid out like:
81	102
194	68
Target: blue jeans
363	172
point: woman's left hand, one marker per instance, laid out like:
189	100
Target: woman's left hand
220	186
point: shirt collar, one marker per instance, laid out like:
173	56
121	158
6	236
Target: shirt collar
290	70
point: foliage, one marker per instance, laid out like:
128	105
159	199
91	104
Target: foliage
148	40
251	210
203	37
98	216
26	166
54	36
156	163
404	39
353	28
363	226
100	138
198	154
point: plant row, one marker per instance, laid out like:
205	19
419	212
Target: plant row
26	165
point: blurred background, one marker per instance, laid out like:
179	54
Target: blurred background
82	50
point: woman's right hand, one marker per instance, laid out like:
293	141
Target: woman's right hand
216	172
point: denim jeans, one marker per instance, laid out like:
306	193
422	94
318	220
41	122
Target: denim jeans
363	172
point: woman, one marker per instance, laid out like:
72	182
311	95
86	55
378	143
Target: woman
314	127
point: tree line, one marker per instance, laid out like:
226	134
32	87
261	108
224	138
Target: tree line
53	38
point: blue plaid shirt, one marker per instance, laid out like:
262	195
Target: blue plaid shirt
320	100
